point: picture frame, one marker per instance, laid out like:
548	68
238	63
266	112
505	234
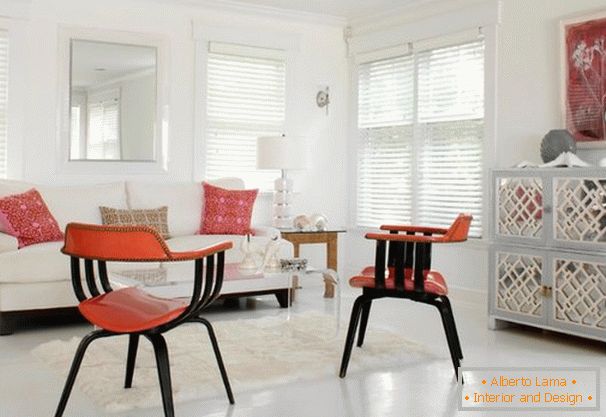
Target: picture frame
583	78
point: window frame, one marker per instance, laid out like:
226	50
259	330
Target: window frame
390	43
246	36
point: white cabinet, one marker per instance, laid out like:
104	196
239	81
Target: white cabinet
548	256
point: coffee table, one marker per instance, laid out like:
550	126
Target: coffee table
175	280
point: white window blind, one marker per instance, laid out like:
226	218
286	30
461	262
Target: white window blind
3	102
386	111
245	99
432	111
103	138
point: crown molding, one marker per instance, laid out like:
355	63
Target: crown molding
235	6
411	11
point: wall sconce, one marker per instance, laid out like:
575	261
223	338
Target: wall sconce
323	98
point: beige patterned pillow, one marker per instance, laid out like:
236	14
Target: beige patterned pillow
155	218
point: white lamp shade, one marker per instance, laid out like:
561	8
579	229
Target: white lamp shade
279	152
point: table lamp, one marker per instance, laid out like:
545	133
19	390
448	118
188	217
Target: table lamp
280	152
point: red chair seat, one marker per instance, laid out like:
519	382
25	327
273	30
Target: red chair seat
130	310
434	281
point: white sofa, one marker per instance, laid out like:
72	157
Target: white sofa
35	280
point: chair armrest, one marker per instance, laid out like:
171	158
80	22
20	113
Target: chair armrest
201	253
404	238
265	231
412	238
414	229
8	243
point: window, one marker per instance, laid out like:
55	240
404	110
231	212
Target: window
421	126
245	99
103	138
3	102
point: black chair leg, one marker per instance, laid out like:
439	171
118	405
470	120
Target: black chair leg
453	325
73	372
356	310
450	336
364	322
215	345
133	344
163	365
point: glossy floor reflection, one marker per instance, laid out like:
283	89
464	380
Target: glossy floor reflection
424	389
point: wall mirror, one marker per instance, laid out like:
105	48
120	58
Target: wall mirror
113	102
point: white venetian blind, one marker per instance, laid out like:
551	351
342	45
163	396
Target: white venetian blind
451	129
3	102
245	99
103	138
385	123
421	125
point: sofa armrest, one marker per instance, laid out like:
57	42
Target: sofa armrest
265	231
8	243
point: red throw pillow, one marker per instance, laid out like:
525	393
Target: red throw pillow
226	212
27	217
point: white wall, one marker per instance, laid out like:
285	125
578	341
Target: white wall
321	61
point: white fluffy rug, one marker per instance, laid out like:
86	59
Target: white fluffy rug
257	353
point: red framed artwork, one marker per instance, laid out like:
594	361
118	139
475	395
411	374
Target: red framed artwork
584	78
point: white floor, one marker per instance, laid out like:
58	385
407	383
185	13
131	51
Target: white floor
28	389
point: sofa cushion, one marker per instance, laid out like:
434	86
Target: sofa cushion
183	199
26	217
80	203
154	218
227	211
10	187
8	243
36	263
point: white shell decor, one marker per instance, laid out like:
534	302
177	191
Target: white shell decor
302	222
319	222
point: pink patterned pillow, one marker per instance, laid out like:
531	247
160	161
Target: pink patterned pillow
27	217
226	212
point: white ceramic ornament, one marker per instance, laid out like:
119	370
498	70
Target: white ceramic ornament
318	222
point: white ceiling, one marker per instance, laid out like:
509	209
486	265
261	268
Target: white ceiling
347	9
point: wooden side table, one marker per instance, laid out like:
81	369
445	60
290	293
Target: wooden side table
328	237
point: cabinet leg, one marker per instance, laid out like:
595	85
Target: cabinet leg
497	324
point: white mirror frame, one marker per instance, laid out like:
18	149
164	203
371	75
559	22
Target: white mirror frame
161	130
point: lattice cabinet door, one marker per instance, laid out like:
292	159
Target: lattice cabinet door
517	285
519	208
580	212
579	294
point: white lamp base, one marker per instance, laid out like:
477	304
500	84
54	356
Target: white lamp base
282	208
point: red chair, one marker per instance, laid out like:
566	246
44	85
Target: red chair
130	311
407	250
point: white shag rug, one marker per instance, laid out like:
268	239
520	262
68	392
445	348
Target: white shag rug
257	353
